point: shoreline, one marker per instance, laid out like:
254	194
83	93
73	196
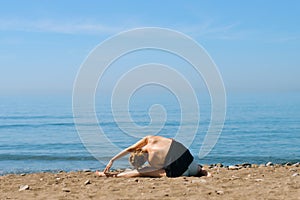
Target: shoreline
246	181
207	166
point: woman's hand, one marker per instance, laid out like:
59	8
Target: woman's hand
108	166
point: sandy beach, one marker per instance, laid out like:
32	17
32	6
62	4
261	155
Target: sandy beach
242	182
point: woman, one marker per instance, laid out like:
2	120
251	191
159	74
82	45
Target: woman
166	157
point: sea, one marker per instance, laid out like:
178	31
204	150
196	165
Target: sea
38	132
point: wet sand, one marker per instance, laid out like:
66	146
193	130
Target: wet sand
248	182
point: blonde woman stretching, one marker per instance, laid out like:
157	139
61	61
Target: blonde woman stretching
166	157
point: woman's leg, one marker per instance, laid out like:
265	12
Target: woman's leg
144	172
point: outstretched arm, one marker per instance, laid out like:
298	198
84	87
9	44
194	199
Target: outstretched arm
144	172
132	148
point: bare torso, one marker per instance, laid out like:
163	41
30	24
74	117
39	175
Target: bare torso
157	148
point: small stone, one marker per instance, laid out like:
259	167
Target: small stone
86	170
233	167
293	170
235	177
24	187
66	190
166	195
22	174
269	164
295	174
296	164
136	180
57	178
259	180
220	192
246	165
87	182
288	164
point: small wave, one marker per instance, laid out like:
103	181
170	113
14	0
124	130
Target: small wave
36	117
9	126
15	157
60	124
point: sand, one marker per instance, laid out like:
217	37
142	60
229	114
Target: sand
273	182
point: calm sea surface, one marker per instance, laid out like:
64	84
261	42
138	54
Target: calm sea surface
38	133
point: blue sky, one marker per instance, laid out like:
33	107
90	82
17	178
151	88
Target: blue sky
255	44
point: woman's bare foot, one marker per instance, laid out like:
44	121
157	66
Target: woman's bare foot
101	174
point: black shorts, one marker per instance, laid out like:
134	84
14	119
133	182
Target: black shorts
177	160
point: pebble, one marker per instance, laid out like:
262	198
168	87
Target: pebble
259	179
293	170
233	167
66	190
87	170
295	174
246	165
22	174
220	192
288	164
296	164
269	164
24	187
235	177
87	182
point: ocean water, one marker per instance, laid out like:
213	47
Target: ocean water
37	133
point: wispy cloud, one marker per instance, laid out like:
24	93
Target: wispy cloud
52	26
207	29
235	31
211	30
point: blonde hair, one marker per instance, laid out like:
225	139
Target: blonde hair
137	158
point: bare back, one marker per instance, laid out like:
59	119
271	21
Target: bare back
157	148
